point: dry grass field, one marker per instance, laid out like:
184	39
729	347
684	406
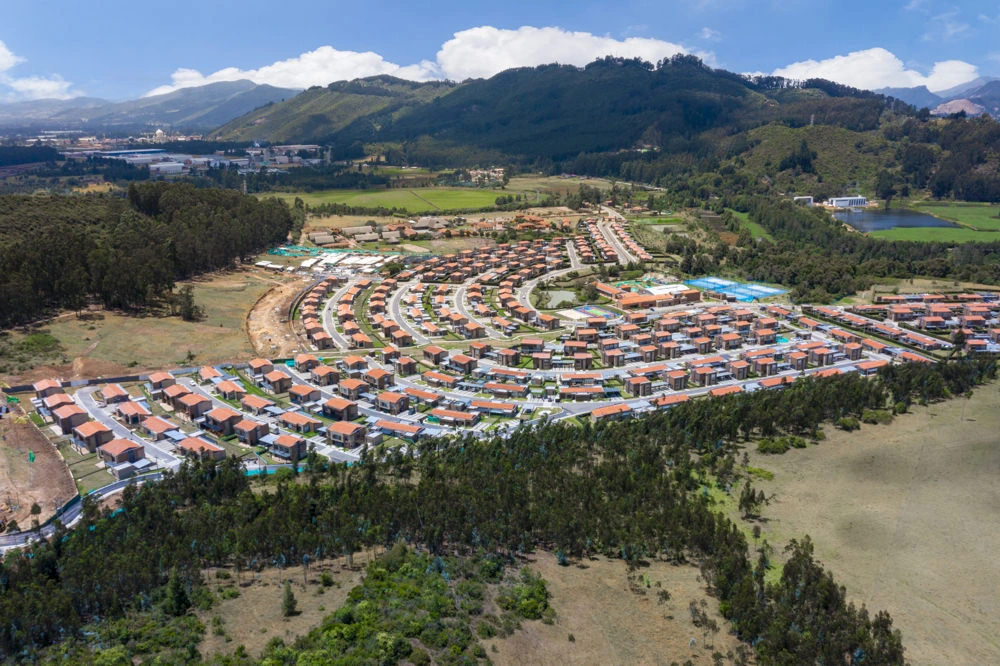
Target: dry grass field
611	624
906	518
254	617
109	343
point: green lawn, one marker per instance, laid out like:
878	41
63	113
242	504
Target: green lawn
756	230
943	234
416	200
978	216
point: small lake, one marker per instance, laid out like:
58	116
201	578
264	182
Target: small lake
559	296
879	220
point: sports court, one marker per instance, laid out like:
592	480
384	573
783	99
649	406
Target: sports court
743	292
594	311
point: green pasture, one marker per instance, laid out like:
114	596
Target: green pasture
976	216
416	200
940	234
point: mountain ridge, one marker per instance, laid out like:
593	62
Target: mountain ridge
197	108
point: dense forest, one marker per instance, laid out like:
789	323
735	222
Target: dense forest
633	490
58	252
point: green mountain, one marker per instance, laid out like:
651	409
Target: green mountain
555	112
320	113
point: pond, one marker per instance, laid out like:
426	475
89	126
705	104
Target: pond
557	297
878	220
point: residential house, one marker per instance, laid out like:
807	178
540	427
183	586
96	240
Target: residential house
289	447
200	449
299	422
47	387
230	390
346	435
255	404
119	451
639	387
221	420
352	388
91	435
131	413
379	378
305	362
615	412
249	431
193	405
277	382
340	409
112	393
392	403
301	394
157	428
260	366
69	416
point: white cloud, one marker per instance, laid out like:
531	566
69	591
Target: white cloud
313	68
710	35
29	87
7	58
484	51
945	28
476	52
878	68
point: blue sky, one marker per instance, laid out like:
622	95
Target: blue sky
115	49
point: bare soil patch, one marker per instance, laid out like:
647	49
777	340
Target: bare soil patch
268	326
906	518
46	481
254	617
611	624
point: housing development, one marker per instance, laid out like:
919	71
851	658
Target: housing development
453	344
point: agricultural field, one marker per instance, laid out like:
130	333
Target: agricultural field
415	200
904	516
108	343
941	234
976	216
756	230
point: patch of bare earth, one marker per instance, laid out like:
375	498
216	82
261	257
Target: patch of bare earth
612	624
268	325
905	516
255	616
46	481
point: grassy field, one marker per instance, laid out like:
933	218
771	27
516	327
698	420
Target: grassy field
109	342
941	234
416	200
612	622
977	216
254	617
905	517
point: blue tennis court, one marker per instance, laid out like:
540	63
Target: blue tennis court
742	291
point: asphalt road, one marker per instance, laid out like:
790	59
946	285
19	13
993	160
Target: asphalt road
158	452
397	315
624	256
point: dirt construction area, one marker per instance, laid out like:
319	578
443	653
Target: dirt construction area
267	324
906	517
46	481
612	623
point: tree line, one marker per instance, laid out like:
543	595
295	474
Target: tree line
62	251
631	490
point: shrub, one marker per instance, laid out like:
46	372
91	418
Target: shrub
848	423
772	446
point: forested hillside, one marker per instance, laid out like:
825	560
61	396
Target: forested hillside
675	124
635	490
58	251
